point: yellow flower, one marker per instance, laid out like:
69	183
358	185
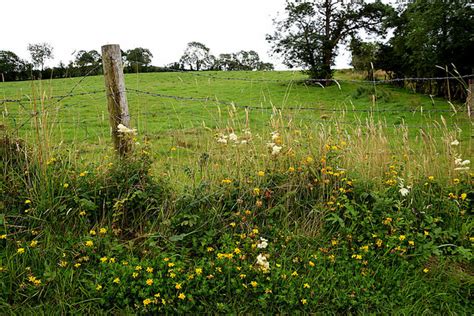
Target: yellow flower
463	196
291	169
20	250
411	242
256	191
181	296
98	287
311	263
117	280
149	281
306	286
253	284
171	264
4	236
138	268
334	242
431	178
379	242
198	271
92	232
62	263
83	174
237	251
261	173
134	275
33	243
103	259
149	269
242	276
426	270
77	265
146	301
27	201
172	275
65	185
232	224
226	181
268	291
402	237
255	231
82	213
304	301
295	274
112	260
37	282
309	159
364	248
103	231
210	249
178	286
456	181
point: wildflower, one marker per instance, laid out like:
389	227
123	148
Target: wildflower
233	137
20	250
89	243
311	263
256	191
463	196
65	185
171	264
253	284
334	242
149	282
387	221
77	265
411	242
149	269
295	274
116	280
181	296
309	160
82	213
404	191
226	181
173	149
426	270
304	301
27	201
146	301
456	181
402	237
4	236
98	287
242	276
210	249
291	169
276	150
232	224
33	243
198	271
62	263
426	233
263	243
92	232
262	262
455	142
134	275
237	251
261	173
172	275
122	129
112	260
364	248
357	257
255	231
83	174
103	231
103	259
306	286
268	291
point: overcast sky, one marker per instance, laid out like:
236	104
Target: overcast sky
163	26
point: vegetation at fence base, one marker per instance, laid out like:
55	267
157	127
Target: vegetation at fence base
281	231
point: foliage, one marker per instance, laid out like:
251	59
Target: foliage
40	52
138	59
311	30
363	56
196	56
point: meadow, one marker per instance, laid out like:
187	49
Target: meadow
245	192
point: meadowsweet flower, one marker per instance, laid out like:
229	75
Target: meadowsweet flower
263	263
263	243
122	129
276	150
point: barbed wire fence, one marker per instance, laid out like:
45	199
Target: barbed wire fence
71	99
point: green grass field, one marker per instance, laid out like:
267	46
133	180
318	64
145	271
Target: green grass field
246	192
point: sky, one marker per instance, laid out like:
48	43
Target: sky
162	26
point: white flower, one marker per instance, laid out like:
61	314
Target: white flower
263	243
276	150
465	162
232	137
125	130
270	145
457	161
460	162
455	142
462	169
275	135
222	141
262	262
244	142
404	191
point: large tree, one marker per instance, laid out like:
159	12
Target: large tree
87	58
40	53
310	31
196	56
10	65
138	58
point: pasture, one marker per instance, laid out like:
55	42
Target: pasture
245	192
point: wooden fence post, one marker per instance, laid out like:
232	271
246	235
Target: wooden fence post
116	97
470	97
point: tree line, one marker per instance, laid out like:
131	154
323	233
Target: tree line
196	57
431	38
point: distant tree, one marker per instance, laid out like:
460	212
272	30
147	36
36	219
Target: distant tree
138	58
247	60
265	66
311	30
196	56
87	58
364	55
10	65
40	53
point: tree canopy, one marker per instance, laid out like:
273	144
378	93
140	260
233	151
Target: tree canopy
40	52
196	56
309	33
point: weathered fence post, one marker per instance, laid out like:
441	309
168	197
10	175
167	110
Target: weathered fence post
116	97
470	97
